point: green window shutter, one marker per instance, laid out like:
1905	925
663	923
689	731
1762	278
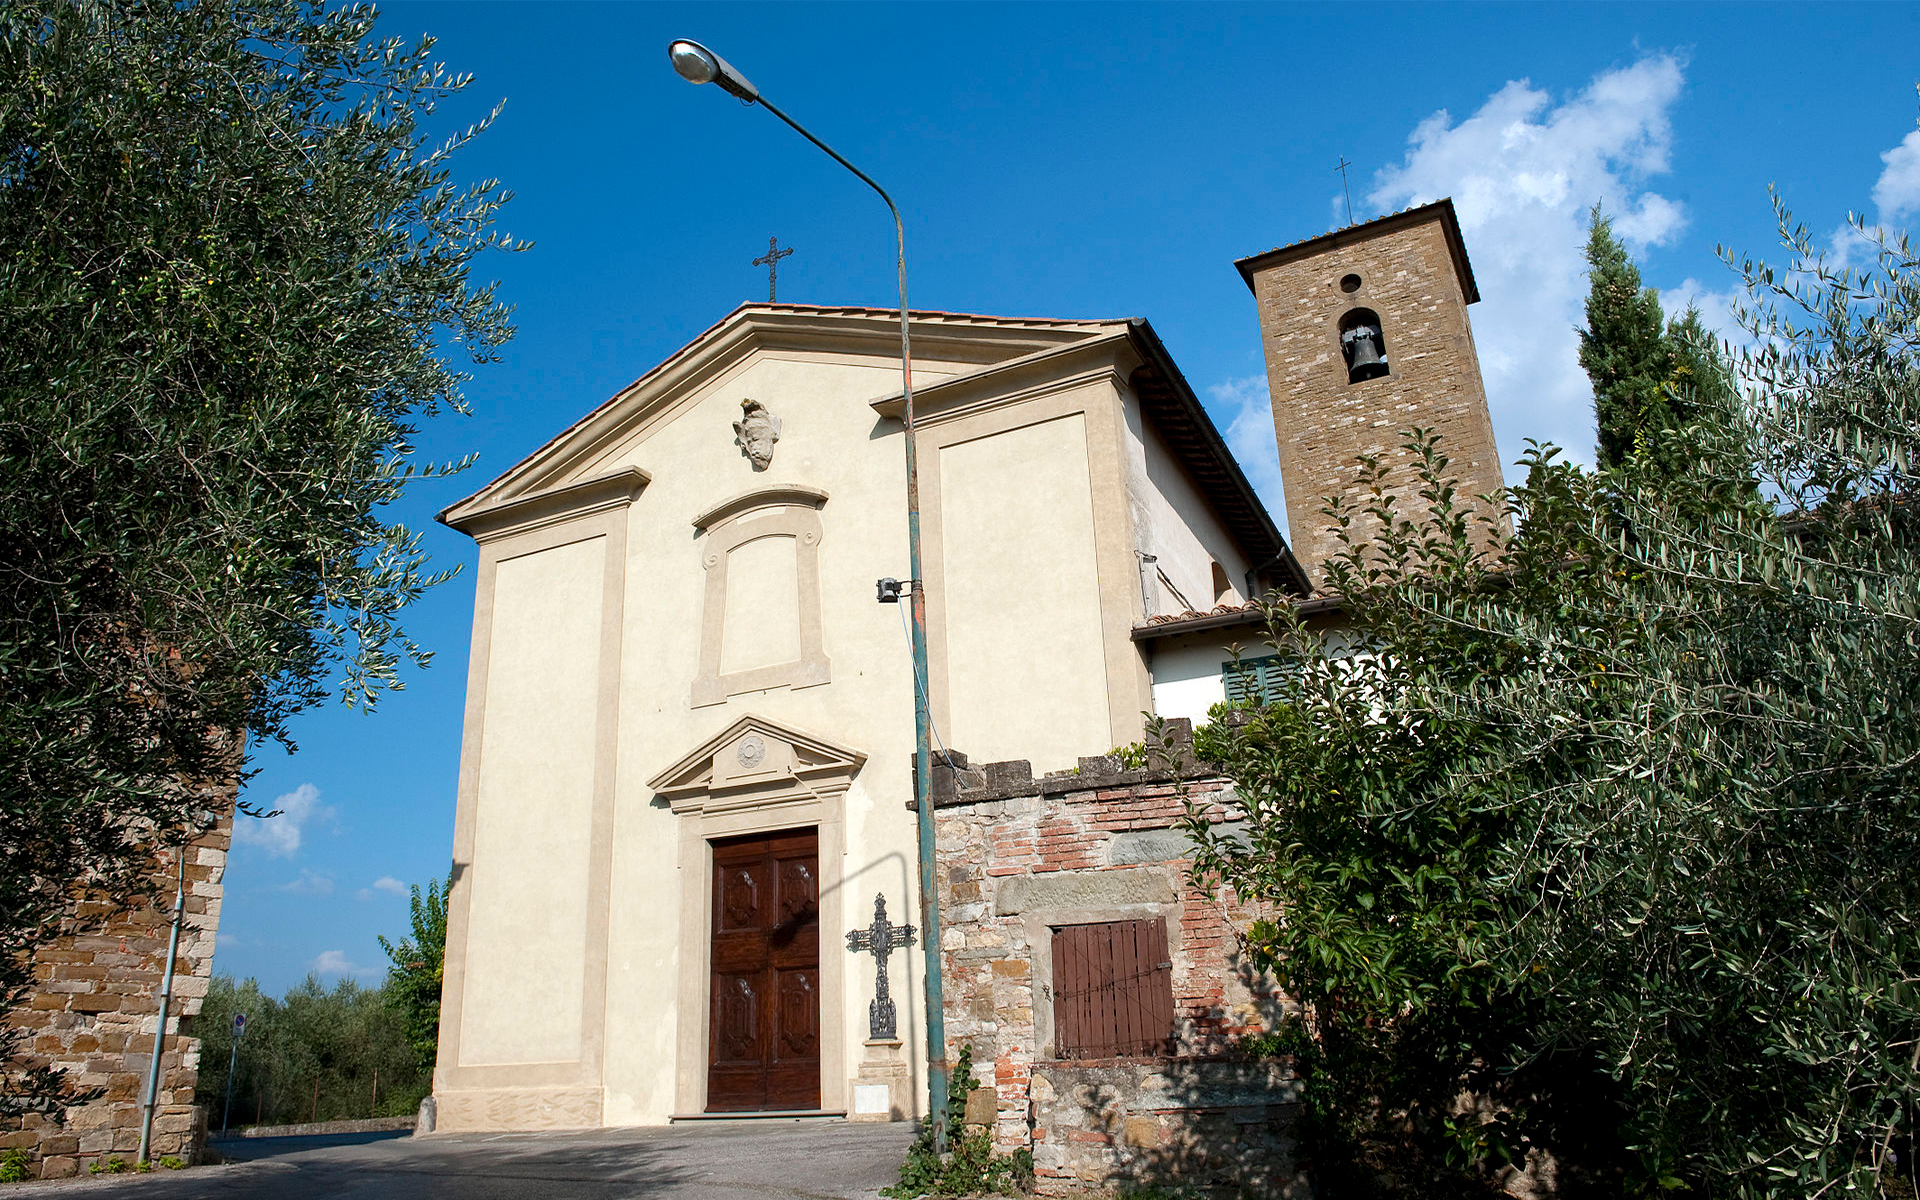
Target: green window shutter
1254	679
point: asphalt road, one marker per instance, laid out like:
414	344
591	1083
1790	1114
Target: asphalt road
717	1161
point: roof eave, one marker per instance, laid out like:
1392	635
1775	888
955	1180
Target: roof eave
1281	556
1441	209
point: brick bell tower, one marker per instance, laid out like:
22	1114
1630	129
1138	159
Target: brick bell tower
1366	335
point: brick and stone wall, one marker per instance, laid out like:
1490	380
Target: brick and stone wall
1411	270
93	1012
1020	857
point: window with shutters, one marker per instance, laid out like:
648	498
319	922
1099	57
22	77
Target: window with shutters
1254	679
1112	990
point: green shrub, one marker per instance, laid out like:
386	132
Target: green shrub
970	1167
13	1166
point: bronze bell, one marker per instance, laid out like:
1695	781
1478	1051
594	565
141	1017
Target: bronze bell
1365	354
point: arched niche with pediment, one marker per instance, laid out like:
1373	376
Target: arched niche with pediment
756	776
760	621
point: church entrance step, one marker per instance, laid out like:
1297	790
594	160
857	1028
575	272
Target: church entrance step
797	1114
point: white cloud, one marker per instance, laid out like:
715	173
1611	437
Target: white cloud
1523	172
1716	307
310	884
1244	408
1896	196
387	884
1897	192
335	962
280	835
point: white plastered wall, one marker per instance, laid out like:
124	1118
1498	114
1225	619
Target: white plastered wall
1174	523
1188	670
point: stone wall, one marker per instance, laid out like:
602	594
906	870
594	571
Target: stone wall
1020	857
1411	270
94	1010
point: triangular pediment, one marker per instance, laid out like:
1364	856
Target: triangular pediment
753	754
954	341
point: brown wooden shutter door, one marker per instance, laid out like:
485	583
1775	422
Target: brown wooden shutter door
1113	990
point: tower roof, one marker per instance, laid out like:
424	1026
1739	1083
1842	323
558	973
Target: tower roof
1440	210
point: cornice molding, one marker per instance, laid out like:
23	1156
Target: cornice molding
787	758
1024	378
524	514
660	392
777	496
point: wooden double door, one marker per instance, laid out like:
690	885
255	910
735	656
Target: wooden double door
763	1046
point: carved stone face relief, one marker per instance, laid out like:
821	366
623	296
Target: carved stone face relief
755	432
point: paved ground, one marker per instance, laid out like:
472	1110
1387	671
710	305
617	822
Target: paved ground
718	1161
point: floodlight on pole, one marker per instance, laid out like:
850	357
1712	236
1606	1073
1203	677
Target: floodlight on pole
697	64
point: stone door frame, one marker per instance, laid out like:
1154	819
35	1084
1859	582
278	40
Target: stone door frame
796	780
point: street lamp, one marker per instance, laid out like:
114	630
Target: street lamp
697	64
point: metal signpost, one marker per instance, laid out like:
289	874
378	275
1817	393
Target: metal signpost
233	1059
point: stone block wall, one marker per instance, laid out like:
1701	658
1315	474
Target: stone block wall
94	1010
1020	857
1198	1124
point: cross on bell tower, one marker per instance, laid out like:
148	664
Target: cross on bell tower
771	261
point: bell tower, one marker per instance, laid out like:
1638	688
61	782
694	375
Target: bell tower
1366	335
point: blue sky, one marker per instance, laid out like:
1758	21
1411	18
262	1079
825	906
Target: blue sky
1081	160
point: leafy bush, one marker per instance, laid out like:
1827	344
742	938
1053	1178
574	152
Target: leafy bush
1601	843
970	1166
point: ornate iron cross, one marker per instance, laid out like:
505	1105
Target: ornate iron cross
881	939
771	261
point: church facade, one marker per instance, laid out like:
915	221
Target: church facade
688	745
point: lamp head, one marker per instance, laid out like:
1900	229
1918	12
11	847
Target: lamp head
697	64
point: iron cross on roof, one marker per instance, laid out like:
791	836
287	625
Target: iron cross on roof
881	938
771	261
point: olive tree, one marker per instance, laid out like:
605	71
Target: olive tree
1606	848
234	275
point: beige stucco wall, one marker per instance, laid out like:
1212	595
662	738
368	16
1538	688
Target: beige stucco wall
1026	668
827	442
1033	587
527	891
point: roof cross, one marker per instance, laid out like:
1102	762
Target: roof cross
1348	192
771	261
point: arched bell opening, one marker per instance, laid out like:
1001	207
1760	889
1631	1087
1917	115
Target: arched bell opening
1364	345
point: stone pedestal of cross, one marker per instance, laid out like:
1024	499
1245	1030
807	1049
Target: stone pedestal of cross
880	939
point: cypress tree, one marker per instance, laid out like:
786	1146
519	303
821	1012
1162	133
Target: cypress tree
1625	349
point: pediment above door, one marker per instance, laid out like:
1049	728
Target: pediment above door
752	758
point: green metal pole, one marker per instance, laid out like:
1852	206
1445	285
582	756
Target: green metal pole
922	720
